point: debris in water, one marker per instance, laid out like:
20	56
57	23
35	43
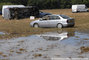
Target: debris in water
85	39
84	49
37	55
1	53
4	55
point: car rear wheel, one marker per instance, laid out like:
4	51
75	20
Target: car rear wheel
36	26
59	26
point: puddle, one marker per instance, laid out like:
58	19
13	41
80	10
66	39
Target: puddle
2	33
57	44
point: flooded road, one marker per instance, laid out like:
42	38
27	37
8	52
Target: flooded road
56	44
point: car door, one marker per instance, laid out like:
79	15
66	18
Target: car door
53	21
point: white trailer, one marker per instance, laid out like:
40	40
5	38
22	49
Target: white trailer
79	8
6	12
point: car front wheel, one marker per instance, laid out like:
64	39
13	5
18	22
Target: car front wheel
59	26
35	25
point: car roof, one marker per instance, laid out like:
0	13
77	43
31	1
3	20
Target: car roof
55	15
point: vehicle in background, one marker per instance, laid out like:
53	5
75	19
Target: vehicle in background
0	13
79	8
41	14
19	11
6	11
58	21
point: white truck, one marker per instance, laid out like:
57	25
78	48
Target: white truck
79	8
6	11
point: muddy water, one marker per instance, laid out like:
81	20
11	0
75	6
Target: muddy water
57	44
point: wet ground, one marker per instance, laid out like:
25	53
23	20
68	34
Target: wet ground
46	46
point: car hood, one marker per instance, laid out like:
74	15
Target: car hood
35	21
70	18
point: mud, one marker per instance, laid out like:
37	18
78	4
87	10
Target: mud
55	44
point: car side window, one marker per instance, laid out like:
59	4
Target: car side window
54	17
45	18
57	17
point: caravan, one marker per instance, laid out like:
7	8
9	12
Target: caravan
6	11
79	8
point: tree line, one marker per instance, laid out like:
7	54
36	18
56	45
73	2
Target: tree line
45	4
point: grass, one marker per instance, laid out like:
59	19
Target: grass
18	28
22	28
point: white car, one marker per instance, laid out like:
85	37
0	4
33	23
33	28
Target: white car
58	21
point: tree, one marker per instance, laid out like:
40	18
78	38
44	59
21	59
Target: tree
47	4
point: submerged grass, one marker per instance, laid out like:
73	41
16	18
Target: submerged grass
21	27
84	49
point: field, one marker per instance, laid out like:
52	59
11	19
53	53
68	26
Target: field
21	27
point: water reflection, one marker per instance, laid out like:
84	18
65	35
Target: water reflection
2	33
69	38
57	35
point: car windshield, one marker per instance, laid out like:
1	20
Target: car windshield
41	12
64	16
